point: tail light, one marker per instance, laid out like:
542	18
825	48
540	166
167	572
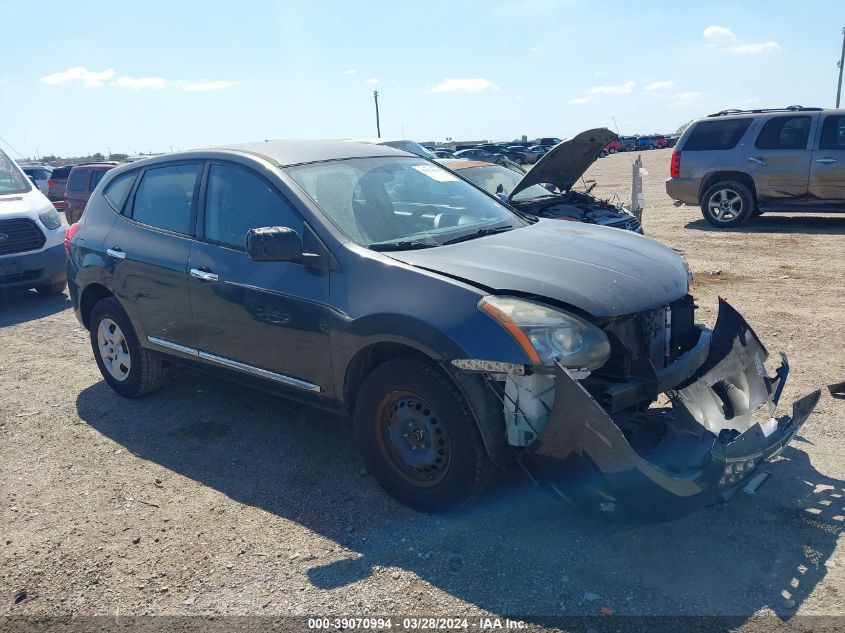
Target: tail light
51	183
675	165
70	233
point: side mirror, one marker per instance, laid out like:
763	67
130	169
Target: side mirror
273	244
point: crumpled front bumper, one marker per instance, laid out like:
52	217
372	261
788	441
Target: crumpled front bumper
714	433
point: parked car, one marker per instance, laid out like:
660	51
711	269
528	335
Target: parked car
459	335
549	141
627	143
566	163
613	146
32	253
660	142
672	140
82	180
480	154
39	175
57	186
645	142
518	156
539	151
443	153
739	163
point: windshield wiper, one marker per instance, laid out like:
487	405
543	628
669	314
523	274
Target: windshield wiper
478	233
403	245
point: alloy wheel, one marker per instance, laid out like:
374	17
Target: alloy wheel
725	205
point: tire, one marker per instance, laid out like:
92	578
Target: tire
727	204
131	371
612	150
419	438
603	153
52	289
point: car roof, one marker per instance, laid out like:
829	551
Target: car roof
295	152
462	163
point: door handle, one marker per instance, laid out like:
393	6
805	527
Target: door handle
116	253
203	275
827	160
757	160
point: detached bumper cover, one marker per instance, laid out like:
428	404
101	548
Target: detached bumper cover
713	435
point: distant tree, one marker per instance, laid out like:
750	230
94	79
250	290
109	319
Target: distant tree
98	157
683	128
118	156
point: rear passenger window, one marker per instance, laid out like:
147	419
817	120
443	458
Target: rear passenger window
163	198
718	134
118	189
237	201
78	180
833	133
785	132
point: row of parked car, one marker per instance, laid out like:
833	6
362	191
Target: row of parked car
70	186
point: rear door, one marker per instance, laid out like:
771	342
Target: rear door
779	161
827	168
76	194
147	254
263	318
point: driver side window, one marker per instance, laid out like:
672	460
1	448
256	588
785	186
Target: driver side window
237	201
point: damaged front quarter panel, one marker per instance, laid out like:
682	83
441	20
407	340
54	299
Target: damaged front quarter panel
697	450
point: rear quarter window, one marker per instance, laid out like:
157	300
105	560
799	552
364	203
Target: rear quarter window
721	134
118	189
78	180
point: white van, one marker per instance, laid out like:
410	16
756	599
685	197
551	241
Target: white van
32	252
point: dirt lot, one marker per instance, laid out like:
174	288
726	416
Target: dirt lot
205	498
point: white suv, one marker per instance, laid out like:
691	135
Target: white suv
32	253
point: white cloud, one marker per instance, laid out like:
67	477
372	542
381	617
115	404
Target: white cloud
719	35
600	73
79	75
140	83
754	49
464	85
726	39
205	84
351	71
534	49
658	86
372	81
685	98
620	89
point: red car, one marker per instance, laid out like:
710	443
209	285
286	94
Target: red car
81	181
611	148
660	142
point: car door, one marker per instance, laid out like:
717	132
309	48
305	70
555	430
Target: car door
264	318
779	162
827	167
147	253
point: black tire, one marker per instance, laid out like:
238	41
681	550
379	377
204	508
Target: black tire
727	204
146	370
465	469
52	289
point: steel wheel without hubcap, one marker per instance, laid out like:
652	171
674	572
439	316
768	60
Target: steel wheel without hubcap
414	438
725	205
114	351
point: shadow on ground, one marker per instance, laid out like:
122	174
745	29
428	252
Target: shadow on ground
821	224
516	551
21	307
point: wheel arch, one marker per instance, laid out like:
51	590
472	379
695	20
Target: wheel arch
91	295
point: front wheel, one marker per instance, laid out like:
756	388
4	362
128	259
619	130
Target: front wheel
52	289
128	368
727	204
419	438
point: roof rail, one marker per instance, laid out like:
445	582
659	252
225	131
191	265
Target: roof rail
792	108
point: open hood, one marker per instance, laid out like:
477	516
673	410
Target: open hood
566	162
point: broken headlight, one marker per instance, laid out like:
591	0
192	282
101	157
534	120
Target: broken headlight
547	335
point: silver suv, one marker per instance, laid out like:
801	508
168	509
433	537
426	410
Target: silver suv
740	163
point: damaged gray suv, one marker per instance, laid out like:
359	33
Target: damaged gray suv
460	335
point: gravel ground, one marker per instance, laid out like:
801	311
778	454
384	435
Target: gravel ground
205	498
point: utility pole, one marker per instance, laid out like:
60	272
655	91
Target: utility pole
841	63
378	124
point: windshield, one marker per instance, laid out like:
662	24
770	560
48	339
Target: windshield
11	178
400	202
489	177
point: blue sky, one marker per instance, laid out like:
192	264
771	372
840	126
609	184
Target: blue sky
82	77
